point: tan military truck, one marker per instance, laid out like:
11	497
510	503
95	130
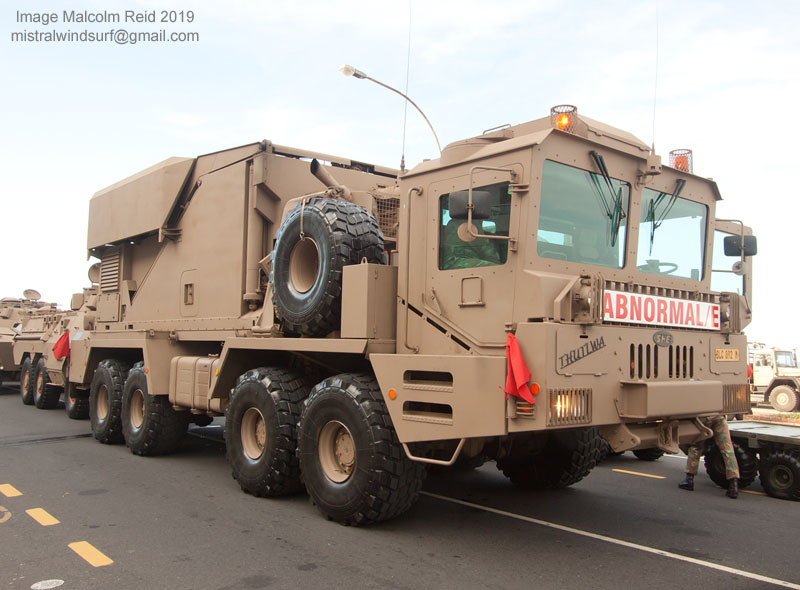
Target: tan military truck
354	324
15	314
41	348
776	376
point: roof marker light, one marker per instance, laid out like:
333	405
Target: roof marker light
563	117
682	160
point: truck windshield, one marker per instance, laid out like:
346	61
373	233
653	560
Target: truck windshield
784	358
676	247
573	222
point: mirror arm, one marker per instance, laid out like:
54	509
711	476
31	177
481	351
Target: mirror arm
470	206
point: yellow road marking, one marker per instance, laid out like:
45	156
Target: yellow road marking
753	492
637	473
92	555
9	490
42	516
5	514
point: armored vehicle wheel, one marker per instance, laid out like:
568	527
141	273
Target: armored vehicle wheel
150	425
353	466
45	395
780	474
715	466
105	401
261	431
26	382
565	458
648	454
312	246
783	398
76	402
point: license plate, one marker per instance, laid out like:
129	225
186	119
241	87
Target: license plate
726	354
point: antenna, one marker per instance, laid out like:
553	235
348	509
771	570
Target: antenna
655	88
405	103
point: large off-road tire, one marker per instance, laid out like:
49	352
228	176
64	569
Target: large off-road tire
307	269
653	454
261	430
715	467
564	459
780	474
783	398
26	382
353	466
76	402
45	395
105	401
150	425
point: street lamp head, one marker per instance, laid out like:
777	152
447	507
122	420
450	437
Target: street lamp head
349	70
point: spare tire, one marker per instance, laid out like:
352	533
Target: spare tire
307	265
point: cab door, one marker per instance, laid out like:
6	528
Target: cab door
470	281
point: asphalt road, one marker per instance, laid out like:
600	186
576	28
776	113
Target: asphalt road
182	522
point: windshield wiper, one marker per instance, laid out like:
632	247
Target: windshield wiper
616	215
657	218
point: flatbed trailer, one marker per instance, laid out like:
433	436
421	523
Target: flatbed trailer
777	447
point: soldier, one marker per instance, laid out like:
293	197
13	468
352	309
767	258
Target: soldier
722	438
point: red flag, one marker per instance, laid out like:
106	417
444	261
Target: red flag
518	373
61	348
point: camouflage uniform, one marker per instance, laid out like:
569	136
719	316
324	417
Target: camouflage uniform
456	253
722	438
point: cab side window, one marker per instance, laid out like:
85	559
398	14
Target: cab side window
459	249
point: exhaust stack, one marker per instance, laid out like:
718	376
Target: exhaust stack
329	181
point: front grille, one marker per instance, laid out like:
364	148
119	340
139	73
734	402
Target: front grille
681	362
647	361
644	361
569	407
735	398
662	292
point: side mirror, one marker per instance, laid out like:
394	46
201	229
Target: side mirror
739	245
481	205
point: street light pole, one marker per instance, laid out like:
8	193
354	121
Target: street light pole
348	70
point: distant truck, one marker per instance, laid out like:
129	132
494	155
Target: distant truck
40	349
15	313
776	376
531	292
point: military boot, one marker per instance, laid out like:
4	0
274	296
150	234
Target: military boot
733	488
688	483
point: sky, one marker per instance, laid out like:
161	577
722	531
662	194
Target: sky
721	78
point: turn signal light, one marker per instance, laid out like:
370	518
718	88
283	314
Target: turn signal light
392	394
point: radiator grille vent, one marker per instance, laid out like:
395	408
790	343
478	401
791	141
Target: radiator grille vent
644	361
681	362
109	271
569	407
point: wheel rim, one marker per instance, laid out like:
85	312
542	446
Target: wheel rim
102	402
337	451
137	409
781	477
23	386
254	433
782	399
304	265
39	385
